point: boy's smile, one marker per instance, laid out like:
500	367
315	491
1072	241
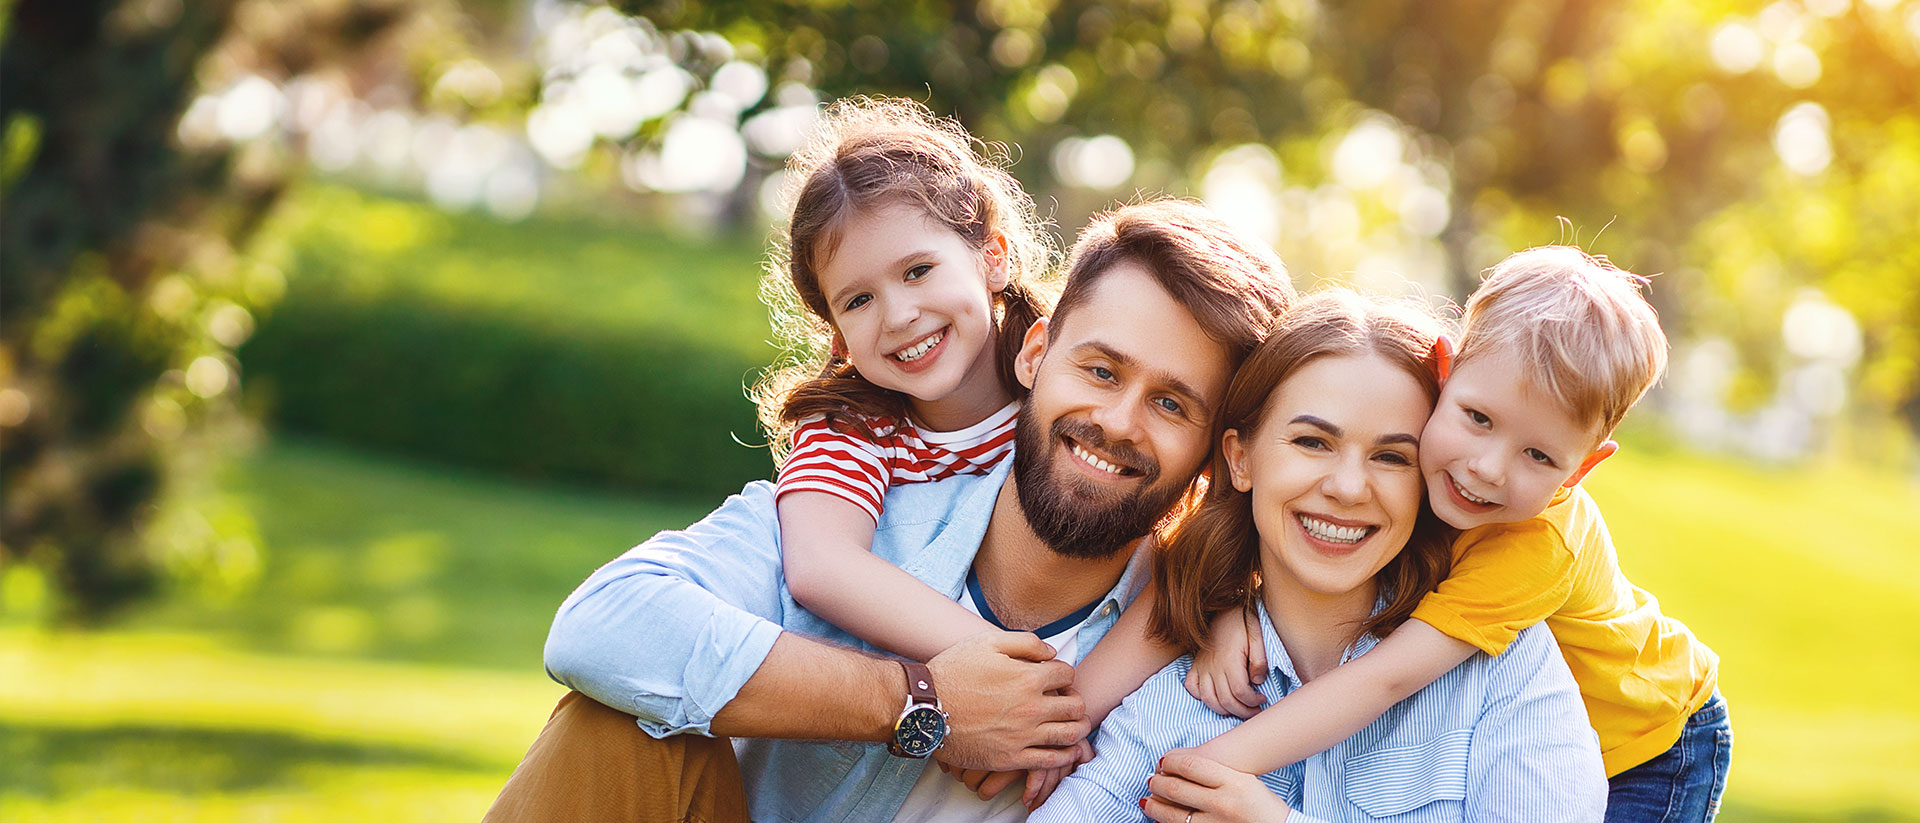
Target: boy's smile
1497	449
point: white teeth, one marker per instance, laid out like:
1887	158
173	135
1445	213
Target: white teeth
909	355
1332	533
1469	495
1102	465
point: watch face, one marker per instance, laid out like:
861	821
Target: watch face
920	731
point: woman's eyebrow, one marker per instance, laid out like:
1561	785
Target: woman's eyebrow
1408	439
1316	422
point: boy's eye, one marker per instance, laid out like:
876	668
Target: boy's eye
857	301
918	272
1539	456
1478	418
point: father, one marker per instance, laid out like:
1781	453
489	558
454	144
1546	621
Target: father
694	632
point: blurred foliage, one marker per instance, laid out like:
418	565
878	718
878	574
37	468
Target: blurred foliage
557	348
1612	114
130	271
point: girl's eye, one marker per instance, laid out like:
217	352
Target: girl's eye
918	272
858	301
1478	418
1539	456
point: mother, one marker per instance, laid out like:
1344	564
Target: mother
1322	528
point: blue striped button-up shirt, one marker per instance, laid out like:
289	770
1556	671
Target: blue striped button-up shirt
1496	739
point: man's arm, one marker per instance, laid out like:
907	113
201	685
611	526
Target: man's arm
682	632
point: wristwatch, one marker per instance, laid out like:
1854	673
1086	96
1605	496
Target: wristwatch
922	725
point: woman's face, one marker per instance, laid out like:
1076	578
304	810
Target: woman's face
1333	470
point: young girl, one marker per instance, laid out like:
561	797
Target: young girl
903	282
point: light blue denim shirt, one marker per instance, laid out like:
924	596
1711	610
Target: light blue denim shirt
673	628
1496	739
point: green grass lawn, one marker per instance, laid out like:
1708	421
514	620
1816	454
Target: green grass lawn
388	665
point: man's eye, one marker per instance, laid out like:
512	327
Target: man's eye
919	271
1102	372
1169	404
1539	456
1478	418
858	301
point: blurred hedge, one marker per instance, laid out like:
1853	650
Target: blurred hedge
565	349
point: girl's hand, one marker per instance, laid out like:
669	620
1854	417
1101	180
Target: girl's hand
1224	677
1041	783
984	783
1189	788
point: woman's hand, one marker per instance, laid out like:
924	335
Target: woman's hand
1224	676
1189	788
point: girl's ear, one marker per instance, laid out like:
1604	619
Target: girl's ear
839	350
1442	357
1236	455
1033	349
994	255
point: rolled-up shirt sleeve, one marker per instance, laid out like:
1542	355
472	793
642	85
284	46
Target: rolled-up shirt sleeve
672	629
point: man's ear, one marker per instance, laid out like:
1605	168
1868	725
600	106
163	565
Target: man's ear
1605	451
1033	349
993	254
1442	356
1236	455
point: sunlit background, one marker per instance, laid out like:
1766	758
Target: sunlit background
339	339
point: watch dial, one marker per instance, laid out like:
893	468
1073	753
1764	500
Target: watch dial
921	731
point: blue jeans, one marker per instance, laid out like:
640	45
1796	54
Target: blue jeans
1685	782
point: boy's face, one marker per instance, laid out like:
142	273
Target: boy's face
1496	449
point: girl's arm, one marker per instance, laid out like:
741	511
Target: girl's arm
1338	704
1122	660
826	546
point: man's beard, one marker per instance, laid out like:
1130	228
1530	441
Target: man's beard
1072	515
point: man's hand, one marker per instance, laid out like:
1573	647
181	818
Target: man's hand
1010	705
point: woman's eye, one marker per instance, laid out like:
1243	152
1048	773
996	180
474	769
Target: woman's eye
858	301
1539	456
1478	418
1310	442
919	271
1396	459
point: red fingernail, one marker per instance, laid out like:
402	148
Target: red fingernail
1143	804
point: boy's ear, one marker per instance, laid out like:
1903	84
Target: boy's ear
1605	451
994	254
1033	349
1236	455
1442	357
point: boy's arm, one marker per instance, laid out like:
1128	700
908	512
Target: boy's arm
1338	704
827	543
1122	660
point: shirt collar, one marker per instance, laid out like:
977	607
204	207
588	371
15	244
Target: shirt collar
1282	665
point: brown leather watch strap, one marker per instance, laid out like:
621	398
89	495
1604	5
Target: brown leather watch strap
919	683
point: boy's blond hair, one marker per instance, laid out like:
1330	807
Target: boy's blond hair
1577	321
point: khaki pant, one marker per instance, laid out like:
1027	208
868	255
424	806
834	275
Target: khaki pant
593	763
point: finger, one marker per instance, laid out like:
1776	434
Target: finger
1040	786
1179	791
1062	734
1190	766
997	783
1248	697
972	778
1060	708
1160	811
1024	646
1256	649
1055	675
1040	757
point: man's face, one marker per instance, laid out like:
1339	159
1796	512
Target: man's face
1118	424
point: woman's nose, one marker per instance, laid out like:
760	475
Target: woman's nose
1348	482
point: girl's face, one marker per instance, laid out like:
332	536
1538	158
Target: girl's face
1333	470
912	301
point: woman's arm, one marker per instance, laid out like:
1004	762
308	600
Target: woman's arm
1338	704
826	544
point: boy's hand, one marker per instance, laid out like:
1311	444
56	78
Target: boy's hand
1224	677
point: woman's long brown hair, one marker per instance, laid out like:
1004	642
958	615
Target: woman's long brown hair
1210	564
871	152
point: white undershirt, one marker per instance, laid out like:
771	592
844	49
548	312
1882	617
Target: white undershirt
938	798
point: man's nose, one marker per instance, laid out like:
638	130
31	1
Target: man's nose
1120	418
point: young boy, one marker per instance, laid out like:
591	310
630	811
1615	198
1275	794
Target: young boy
1556	346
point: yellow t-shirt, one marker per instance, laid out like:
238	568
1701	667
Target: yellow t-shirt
1641	673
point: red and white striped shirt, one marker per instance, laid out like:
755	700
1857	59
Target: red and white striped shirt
838	460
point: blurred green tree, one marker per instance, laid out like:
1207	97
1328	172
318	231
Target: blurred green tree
127	274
